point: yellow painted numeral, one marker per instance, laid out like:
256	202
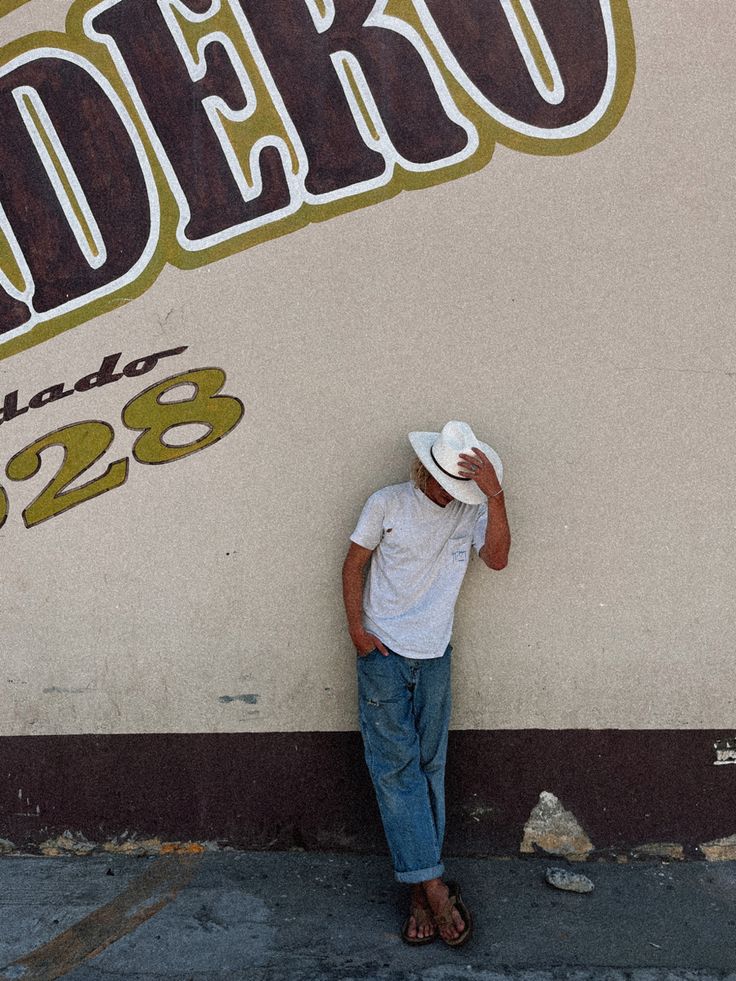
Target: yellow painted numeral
83	443
218	413
3	506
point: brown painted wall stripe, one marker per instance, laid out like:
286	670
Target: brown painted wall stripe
276	790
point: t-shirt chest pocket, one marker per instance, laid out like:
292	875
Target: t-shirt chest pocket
458	548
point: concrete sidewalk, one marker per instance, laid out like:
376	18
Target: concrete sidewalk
273	916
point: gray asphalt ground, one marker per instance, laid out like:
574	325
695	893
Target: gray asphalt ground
292	916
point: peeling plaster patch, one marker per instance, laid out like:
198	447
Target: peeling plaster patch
660	849
68	843
476	812
133	846
123	845
248	699
725	751
74	843
182	848
554	830
720	850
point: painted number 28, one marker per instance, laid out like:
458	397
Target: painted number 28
153	413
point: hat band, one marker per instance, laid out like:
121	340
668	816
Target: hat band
446	472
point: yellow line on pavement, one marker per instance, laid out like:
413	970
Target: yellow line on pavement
138	902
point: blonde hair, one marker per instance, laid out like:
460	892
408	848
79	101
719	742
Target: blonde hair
419	474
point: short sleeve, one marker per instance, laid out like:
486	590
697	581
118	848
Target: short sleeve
479	528
369	529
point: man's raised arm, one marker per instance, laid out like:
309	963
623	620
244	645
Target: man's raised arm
495	548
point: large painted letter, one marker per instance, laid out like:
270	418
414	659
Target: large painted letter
182	99
362	91
543	68
77	198
14	310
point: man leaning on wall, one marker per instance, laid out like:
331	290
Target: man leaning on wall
401	578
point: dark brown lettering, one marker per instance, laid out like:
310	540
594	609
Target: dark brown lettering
51	394
10	408
52	105
141	366
103	376
298	57
480	37
174	103
13	313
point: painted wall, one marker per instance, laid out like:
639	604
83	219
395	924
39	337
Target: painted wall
560	276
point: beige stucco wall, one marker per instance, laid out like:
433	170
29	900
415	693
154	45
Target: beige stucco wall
578	311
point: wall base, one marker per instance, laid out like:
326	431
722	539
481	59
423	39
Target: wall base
311	789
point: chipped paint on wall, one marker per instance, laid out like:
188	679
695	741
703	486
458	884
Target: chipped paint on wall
725	751
667	850
555	831
720	850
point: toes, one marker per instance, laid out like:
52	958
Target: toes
419	931
453	930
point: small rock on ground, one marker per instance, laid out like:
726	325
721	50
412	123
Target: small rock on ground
569	881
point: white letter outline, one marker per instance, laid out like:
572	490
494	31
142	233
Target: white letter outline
27	294
216	109
566	132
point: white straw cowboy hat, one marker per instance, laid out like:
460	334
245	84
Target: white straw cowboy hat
440	454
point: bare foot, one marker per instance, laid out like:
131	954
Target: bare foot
420	926
437	895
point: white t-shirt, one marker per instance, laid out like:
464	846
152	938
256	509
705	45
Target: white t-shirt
420	554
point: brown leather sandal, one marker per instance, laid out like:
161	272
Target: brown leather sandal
422	917
444	919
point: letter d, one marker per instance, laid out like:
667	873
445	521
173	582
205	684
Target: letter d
103	376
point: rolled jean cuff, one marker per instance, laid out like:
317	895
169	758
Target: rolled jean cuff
420	875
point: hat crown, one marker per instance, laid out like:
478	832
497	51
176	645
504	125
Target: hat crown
455	438
440	454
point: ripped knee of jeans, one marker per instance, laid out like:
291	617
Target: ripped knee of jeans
373	701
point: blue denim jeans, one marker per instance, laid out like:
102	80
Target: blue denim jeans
404	718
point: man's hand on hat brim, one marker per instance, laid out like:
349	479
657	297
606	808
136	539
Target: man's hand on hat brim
479	468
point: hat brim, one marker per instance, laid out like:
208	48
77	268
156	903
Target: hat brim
466	491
